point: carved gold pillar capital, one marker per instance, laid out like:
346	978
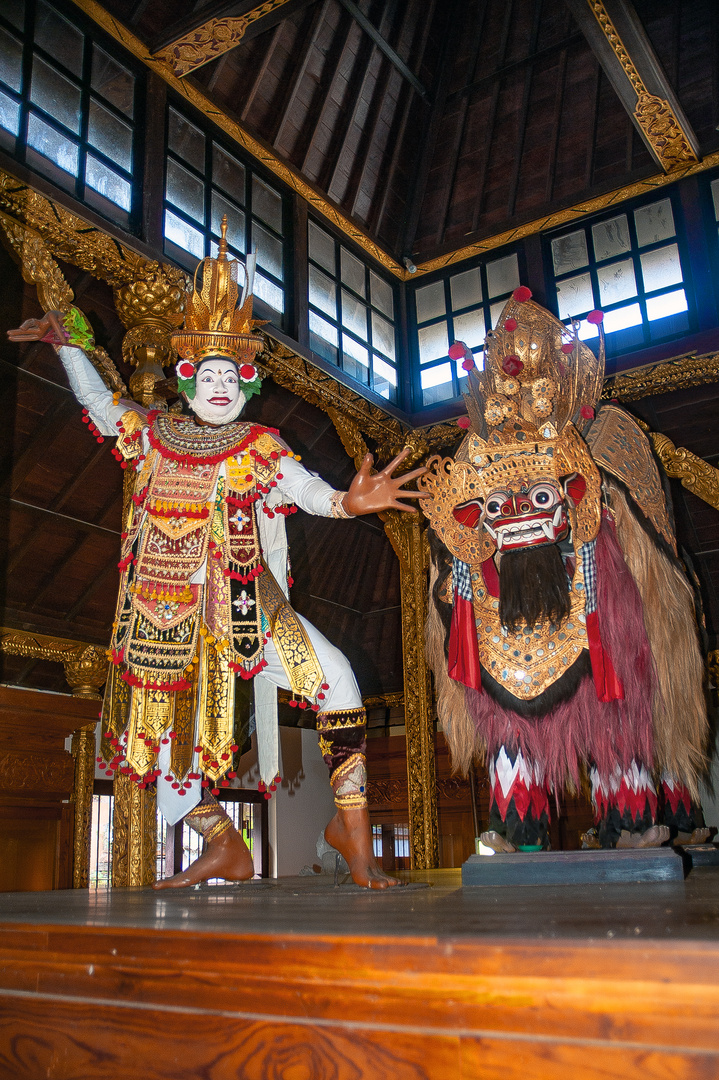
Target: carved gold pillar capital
408	537
87	672
150	308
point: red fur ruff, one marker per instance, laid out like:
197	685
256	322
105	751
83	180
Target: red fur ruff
584	728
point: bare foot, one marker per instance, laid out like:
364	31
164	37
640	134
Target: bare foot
494	840
651	837
225	857
699	836
590	840
349	832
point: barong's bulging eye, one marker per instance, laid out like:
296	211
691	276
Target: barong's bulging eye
544	496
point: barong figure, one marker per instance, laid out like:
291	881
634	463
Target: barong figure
203	595
561	630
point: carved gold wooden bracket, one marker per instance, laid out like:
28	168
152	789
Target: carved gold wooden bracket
85	665
212	39
695	474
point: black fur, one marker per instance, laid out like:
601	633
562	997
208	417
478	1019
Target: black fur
533	587
562	690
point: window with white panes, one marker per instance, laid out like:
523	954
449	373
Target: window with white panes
203	183
351	314
460	307
630	266
68	108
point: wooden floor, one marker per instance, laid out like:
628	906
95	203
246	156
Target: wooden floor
297	980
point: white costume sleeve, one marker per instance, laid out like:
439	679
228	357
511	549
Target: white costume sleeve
90	390
311	493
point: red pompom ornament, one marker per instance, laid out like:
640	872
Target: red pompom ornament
595	317
457	350
567	348
463	422
248	373
185	369
510	325
587	412
512	365
522	294
468	364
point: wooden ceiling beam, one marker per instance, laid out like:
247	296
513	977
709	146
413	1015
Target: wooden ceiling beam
622	47
524	114
366	71
426	146
496	89
386	48
200	17
401	130
293	87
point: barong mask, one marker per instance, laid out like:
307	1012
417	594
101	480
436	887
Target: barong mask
523	476
218	337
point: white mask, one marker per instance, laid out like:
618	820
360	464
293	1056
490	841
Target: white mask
218	398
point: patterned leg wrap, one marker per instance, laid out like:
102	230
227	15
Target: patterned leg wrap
343	746
209	819
519	800
623	800
679	813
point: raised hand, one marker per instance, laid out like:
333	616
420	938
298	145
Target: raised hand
369	493
47	328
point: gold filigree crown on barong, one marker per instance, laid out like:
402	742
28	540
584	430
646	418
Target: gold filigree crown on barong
527	410
214	323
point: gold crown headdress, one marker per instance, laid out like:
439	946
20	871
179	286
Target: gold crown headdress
527	409
214	323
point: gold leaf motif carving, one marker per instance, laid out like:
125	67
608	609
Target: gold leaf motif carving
212	39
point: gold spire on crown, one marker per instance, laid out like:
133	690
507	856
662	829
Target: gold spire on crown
214	324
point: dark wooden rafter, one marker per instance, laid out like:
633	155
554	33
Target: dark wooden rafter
293	86
386	48
425	148
460	125
479	201
61	414
352	36
400	129
592	140
642	55
370	71
557	117
99	579
524	113
261	72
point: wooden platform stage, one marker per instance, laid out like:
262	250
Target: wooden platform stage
297	980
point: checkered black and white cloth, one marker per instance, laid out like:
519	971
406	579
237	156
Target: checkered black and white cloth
589	569
461	581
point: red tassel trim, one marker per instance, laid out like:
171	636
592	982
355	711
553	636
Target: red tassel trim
137	499
606	681
117	655
239	670
242	503
179	684
213	459
197	514
244	578
124	563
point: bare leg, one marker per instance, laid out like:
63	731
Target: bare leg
349	832
225	857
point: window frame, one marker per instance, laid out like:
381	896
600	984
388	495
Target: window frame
187	260
17	146
486	303
370	267
615	348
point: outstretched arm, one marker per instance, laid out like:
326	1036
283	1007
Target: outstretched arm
370	493
85	383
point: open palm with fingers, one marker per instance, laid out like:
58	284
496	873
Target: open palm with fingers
371	492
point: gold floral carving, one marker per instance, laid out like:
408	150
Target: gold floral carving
696	475
713	664
212	39
83	751
386	791
654	115
134	824
150	308
410	544
85	665
384	701
676	374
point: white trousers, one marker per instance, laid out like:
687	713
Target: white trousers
343	693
